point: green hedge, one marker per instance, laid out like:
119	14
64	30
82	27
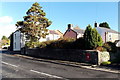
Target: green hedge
60	44
55	44
70	44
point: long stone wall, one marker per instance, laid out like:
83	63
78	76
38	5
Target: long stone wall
85	56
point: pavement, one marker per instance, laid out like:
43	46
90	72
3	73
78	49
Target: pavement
21	66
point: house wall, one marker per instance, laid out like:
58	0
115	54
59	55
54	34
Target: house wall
102	33
22	40
108	36
70	34
112	37
79	35
50	37
16	41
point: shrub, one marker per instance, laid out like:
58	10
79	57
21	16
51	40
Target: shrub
79	43
41	45
61	44
100	48
106	63
116	60
110	47
29	45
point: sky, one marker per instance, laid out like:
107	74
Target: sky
61	14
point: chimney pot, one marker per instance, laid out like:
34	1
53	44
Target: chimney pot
95	24
70	26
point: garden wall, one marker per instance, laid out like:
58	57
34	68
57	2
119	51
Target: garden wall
85	56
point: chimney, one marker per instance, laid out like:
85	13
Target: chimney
95	25
70	26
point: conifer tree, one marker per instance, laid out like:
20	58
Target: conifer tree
92	38
35	23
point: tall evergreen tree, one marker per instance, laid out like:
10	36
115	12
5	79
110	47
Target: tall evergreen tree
92	38
35	23
88	37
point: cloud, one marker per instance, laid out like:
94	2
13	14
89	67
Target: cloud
7	29
6	19
6	26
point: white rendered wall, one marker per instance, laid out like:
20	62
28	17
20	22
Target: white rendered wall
16	41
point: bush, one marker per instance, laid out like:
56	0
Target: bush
61	44
116	60
101	48
110	47
79	43
31	44
106	63
41	45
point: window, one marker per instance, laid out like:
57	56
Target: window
109	35
15	36
68	30
110	39
15	44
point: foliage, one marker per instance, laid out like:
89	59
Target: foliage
52	44
79	44
35	23
92	38
42	45
110	47
100	48
105	25
62	44
116	60
45	44
5	41
106	63
4	38
30	44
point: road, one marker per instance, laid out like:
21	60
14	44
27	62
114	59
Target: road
17	67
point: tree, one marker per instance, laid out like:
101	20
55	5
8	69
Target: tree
5	41
4	38
97	38
104	24
92	38
35	23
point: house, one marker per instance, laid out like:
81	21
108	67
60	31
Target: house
108	35
18	39
73	32
53	35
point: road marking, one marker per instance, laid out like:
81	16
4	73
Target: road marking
46	74
9	64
